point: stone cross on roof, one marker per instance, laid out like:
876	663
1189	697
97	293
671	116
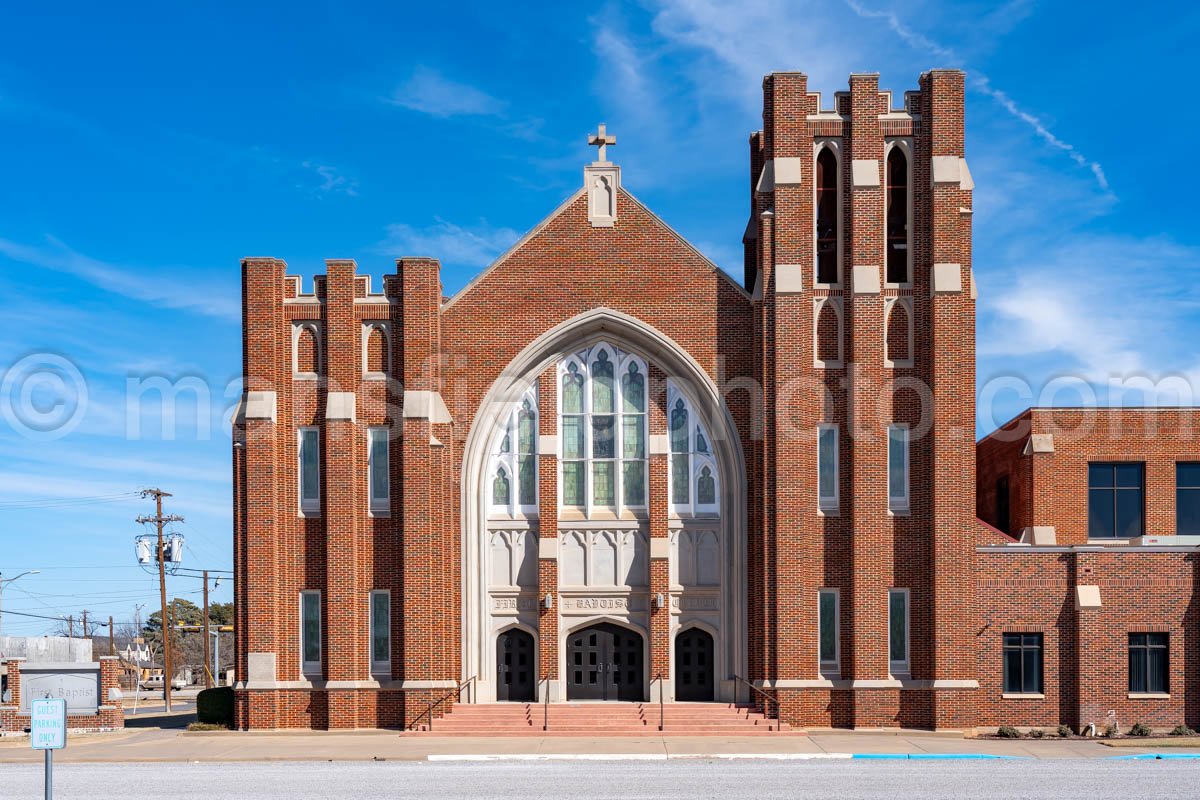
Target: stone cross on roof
601	139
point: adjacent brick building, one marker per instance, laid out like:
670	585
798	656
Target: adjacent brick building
606	469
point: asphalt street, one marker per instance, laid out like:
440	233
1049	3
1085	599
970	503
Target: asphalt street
606	780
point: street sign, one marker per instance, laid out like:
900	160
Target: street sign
48	724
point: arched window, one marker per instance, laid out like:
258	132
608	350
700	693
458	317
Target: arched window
693	480
602	404
897	216
376	347
828	333
306	344
899	335
827	216
514	460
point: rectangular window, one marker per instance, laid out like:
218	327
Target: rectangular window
378	474
1023	663
827	467
310	632
828	628
898	467
1148	663
310	469
898	631
1002	499
1187	499
1116	500
381	632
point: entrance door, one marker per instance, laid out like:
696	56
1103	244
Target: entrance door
694	666
514	667
605	662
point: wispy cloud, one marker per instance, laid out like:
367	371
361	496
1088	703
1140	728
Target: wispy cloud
981	83
430	92
332	180
468	246
148	286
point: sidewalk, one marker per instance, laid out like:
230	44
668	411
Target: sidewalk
165	745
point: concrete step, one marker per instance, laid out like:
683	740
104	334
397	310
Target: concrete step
605	719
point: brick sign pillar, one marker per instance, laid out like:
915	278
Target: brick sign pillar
549	678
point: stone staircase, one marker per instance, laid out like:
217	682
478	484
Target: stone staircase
605	719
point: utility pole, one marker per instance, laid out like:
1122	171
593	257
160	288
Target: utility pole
112	646
207	671
71	627
85	627
159	521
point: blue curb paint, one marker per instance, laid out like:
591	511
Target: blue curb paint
1154	756
936	757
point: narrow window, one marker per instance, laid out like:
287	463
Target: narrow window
381	632
706	487
573	444
1023	663
310	469
526	458
827	467
898	467
633	435
827	217
307	356
1002	501
379	478
827	622
1187	499
604	421
897	216
1148	663
1116	502
898	630
375	357
310	632
501	491
681	468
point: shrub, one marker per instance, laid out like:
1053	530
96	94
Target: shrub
1064	731
1037	733
215	706
206	726
1111	730
1139	729
1182	730
1008	732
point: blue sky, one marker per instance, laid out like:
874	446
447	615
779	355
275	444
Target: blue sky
147	150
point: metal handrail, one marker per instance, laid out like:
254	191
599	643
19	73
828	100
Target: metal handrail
545	704
766	706
662	719
456	692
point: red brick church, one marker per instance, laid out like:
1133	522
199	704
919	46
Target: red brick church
606	470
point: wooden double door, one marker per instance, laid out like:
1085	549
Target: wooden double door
606	662
514	667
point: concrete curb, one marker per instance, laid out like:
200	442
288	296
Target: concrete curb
481	757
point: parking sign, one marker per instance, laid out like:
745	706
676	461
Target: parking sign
48	724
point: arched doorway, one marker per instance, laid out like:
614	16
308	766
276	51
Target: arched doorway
694	675
605	662
514	667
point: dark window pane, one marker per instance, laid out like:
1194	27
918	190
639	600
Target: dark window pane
1129	513
1100	475
1156	669
1101	514
1187	475
1187	509
1012	671
828	625
1128	476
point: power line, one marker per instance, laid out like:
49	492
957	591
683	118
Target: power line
64	502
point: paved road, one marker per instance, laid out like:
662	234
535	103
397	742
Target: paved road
690	780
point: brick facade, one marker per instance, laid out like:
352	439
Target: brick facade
765	364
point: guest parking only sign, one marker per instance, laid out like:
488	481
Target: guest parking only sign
48	724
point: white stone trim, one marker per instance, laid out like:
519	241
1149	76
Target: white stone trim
548	443
411	685
1041	535
946	169
889	305
1039	443
903	684
947	279
865	172
660	547
340	406
864	279
385	328
602	183
789	171
659	444
789	279
548	548
1087	597
422	404
257	405
819	304
315	327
